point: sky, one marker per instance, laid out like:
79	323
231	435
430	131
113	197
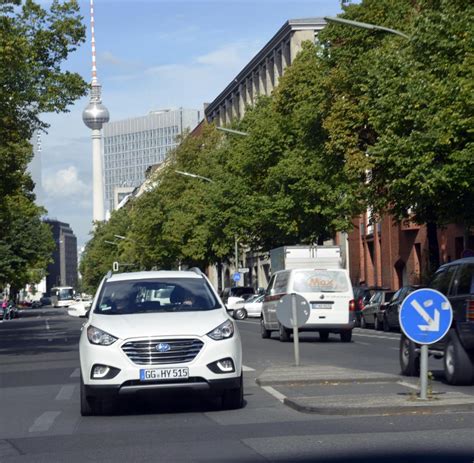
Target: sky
153	54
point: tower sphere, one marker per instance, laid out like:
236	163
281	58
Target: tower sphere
95	115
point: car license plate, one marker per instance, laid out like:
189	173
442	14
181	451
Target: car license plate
151	374
321	305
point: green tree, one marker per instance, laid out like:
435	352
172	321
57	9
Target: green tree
104	248
418	96
33	44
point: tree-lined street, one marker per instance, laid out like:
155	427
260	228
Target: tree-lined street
40	420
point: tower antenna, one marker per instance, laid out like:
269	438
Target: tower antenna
94	116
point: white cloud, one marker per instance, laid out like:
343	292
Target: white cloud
109	58
229	55
66	183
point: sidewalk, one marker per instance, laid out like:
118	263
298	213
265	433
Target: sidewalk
329	390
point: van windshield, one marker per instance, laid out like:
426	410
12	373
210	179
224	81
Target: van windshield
315	281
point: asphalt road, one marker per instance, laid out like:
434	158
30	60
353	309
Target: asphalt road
40	420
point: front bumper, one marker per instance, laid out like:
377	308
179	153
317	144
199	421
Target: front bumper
127	380
134	387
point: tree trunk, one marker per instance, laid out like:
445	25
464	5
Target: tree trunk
467	232
433	246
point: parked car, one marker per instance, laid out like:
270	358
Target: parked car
369	314
456	281
133	342
252	307
243	292
388	313
329	294
45	300
362	295
80	307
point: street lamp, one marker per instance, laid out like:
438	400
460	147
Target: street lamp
360	25
232	131
120	237
188	174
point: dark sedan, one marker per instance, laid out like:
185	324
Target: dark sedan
388	313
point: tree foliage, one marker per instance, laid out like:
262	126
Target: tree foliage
34	42
361	119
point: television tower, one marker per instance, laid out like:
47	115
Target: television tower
94	116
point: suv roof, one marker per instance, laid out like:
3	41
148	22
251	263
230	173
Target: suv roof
465	260
154	274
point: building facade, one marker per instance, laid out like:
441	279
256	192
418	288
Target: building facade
63	270
391	254
260	76
132	145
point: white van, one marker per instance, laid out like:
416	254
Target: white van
329	294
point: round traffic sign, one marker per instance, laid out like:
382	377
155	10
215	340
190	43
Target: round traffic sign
425	316
285	307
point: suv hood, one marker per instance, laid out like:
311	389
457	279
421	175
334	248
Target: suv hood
160	324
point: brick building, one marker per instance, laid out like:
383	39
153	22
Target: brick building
393	254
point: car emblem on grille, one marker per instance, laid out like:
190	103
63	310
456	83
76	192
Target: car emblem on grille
322	296
163	347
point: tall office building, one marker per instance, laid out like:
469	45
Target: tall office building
63	270
132	145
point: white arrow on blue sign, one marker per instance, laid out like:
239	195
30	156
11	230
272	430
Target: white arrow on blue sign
236	276
425	316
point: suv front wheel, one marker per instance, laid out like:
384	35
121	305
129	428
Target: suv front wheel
232	399
458	367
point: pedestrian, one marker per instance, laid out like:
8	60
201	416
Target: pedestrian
4	307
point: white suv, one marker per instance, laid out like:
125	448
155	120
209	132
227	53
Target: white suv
151	331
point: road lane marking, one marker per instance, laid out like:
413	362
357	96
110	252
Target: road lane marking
66	392
47	324
246	368
76	373
375	336
410	385
44	422
363	343
278	395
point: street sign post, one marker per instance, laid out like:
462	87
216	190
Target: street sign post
244	270
425	317
293	312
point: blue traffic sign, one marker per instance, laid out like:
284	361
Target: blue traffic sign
236	276
425	316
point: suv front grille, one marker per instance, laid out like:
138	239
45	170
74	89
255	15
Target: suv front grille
145	352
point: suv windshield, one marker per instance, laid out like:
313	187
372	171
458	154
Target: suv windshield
157	295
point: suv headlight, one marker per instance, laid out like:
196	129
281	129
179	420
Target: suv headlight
223	331
99	337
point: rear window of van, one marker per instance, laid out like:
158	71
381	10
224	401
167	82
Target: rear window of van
316	281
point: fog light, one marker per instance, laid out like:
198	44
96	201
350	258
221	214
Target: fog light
100	371
222	366
226	365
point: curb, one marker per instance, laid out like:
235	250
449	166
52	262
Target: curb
408	409
304	382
